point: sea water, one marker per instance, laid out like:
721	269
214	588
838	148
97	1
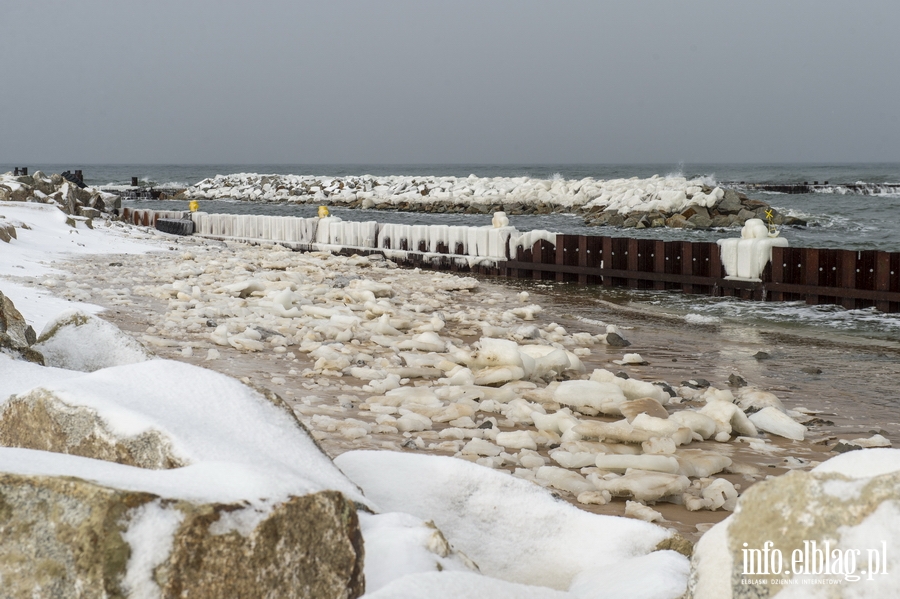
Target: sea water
836	219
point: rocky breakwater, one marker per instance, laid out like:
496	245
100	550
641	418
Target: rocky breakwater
706	208
160	479
84	202
652	202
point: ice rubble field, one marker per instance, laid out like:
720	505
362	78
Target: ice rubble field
400	348
657	193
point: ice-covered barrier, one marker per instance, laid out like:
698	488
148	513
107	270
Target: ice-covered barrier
746	258
329	232
251	226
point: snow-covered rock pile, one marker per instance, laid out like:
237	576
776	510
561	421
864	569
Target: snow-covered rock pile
53	189
620	202
834	528
159	479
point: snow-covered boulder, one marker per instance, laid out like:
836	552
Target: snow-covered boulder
187	482
845	510
76	340
74	527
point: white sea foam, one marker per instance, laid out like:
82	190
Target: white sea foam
693	318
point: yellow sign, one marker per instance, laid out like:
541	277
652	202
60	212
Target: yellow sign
194	206
769	214
323	211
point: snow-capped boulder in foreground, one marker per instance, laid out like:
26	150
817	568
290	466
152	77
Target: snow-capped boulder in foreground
225	494
834	528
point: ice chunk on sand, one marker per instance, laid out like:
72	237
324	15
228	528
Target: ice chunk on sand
636	509
642	485
772	420
656	463
701	424
597	397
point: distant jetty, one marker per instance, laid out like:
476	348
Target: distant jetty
817	187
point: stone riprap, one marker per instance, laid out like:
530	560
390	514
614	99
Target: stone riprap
86	202
653	202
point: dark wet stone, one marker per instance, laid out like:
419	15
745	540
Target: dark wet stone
736	380
486	424
761	355
616	340
623	375
211	323
696	383
811	370
667	388
843	447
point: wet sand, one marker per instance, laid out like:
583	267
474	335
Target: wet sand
854	395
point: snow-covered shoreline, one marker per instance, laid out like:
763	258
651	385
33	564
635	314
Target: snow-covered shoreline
384	358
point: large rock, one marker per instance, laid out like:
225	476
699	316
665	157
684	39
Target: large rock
16	335
7	232
730	204
39	419
851	502
67	537
210	491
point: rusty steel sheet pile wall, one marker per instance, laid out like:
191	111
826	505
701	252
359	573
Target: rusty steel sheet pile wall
853	279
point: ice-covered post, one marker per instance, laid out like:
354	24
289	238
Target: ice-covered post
746	258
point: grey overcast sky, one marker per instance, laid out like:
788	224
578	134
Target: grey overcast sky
481	81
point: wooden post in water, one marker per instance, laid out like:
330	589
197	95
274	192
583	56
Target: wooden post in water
810	270
607	260
883	278
560	258
632	257
659	262
134	181
848	269
687	264
777	272
582	258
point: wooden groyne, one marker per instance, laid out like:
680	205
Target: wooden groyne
850	278
818	187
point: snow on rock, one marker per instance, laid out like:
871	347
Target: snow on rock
206	417
124	531
511	528
462	585
657	193
399	545
75	340
850	502
658	575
